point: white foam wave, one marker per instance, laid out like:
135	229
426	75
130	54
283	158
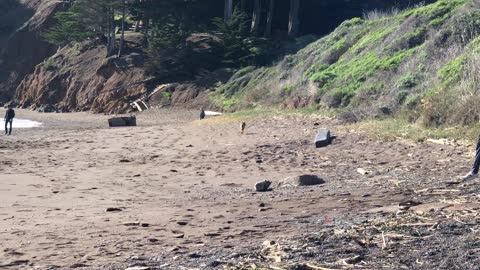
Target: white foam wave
20	123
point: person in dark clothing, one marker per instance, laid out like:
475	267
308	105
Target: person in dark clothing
476	164
202	114
9	115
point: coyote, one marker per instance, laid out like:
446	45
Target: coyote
242	127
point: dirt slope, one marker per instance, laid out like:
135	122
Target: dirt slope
79	78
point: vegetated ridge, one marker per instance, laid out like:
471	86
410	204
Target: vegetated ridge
421	62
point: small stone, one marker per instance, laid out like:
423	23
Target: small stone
362	171
173	249
216	263
194	255
78	265
263	186
261	205
182	223
113	209
212	234
131	224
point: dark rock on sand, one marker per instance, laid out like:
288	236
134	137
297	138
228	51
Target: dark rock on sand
263	186
304	180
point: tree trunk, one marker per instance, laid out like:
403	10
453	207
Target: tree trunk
268	27
294	20
137	23
257	16
111	33
137	26
122	37
146	23
228	10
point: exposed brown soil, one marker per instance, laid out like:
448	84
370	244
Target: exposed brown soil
179	195
79	78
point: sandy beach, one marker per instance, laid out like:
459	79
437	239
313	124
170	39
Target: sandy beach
178	193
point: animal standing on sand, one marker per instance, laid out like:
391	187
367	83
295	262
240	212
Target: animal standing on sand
202	114
242	127
9	115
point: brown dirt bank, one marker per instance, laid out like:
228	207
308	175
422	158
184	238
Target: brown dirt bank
79	78
183	190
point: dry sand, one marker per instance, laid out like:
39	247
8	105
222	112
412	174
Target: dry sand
185	199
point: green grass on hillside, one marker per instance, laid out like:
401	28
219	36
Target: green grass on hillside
417	62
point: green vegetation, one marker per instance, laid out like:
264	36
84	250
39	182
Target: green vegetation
240	48
167	95
372	37
67	29
452	71
49	64
407	81
171	29
288	88
397	128
413	63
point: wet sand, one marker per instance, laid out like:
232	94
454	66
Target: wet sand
176	192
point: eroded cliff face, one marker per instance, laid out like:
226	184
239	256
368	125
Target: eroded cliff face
79	78
22	45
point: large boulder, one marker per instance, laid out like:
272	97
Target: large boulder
263	186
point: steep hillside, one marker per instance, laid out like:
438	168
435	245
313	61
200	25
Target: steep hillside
79	78
22	46
423	60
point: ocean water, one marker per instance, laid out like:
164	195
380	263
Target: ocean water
20	123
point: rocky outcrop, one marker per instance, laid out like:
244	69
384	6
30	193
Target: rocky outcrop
192	94
24	48
79	78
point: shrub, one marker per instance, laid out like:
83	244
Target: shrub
407	81
49	64
402	96
67	28
288	88
452	71
323	78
